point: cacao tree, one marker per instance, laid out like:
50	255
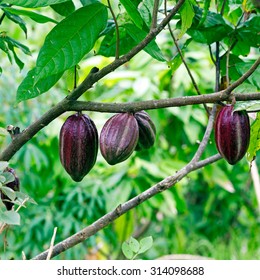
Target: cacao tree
156	121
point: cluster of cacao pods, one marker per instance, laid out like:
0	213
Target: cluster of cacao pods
232	133
14	185
121	135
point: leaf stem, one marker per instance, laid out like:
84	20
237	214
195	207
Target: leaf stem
155	14
117	30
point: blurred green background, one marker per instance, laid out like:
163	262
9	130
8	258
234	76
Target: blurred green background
213	212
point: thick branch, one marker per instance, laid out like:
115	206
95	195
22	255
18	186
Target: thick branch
123	208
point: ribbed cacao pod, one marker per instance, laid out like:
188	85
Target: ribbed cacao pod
147	131
14	185
78	145
232	133
119	137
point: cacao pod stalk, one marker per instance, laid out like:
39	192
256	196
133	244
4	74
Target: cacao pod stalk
119	137
232	133
78	145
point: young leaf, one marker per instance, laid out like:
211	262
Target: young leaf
16	58
35	3
134	244
10	217
17	44
145	244
254	145
249	106
34	16
70	40
27	89
133	12
138	35
187	15
9	177
127	251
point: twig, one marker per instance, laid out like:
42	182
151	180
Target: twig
52	244
117	30
123	208
217	84
211	55
183	60
155	13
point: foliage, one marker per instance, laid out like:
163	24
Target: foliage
213	211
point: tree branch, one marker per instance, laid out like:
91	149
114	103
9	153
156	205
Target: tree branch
155	13
123	208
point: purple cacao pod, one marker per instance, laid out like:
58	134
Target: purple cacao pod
232	133
14	185
78	145
119	137
147	131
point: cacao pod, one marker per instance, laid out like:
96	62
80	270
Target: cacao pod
78	145
119	137
14	185
147	131
232	133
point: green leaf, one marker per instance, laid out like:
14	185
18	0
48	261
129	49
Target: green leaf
187	15
34	16
134	244
212	30
10	217
133	12
9	192
249	106
64	9
254	145
176	62
205	11
138	35
28	89
21	197
3	165
254	78
127	251
18	45
88	2
16	58
9	177
70	40
108	45
16	19
145	244
34	3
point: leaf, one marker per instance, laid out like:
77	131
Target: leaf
127	251
88	2
9	192
108	45
133	12
187	15
16	19
134	244
145	244
254	78
34	16
18	45
34	3
10	217
64	9
138	35
16	58
28	89
21	196
205	11
70	40
176	62
9	177
249	106
3	165
254	145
